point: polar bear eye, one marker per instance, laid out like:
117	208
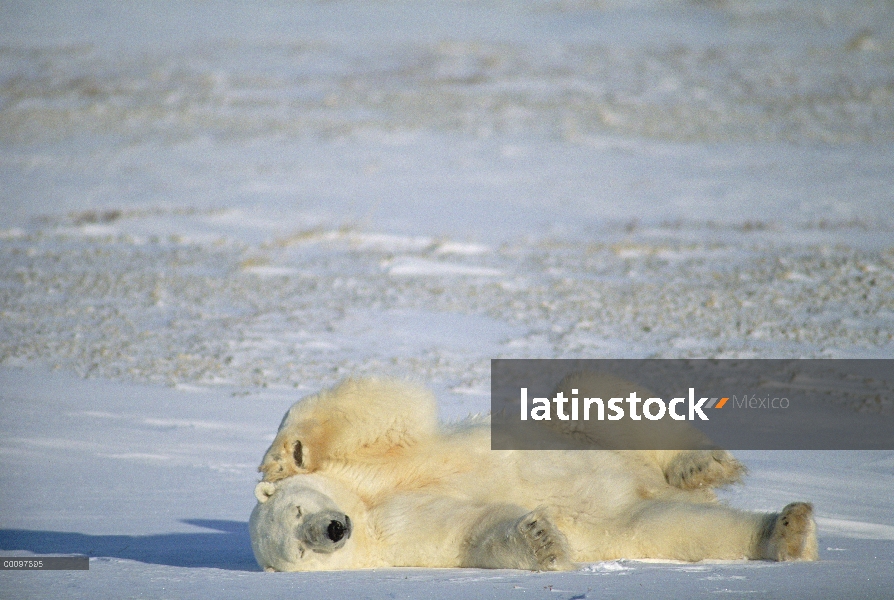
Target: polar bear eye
297	454
298	512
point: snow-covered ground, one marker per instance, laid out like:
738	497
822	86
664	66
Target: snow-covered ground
208	210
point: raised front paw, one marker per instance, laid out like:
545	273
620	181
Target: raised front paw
792	534
704	468
284	458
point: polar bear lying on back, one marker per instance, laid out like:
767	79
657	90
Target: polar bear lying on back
362	476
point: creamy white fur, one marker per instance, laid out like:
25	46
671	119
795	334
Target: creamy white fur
420	495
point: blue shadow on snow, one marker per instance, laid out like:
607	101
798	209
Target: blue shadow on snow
228	547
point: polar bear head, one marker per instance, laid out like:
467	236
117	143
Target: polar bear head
297	526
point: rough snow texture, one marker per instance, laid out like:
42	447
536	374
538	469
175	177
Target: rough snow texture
315	307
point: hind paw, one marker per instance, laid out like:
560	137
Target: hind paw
793	534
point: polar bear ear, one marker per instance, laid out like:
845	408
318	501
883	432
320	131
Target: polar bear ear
264	490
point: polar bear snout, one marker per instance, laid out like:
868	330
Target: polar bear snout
326	531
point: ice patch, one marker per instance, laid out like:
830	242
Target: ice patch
459	248
53	443
91	230
242	219
161	423
854	529
413	333
471	391
188	423
420	267
606	567
387	242
271	271
138	456
688	343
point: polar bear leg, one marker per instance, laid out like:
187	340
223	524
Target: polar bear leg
365	416
690	469
693	532
433	530
505	539
285	457
791	534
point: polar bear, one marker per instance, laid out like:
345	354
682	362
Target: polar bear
362	476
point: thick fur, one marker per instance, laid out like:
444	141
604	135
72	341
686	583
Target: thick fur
367	461
358	417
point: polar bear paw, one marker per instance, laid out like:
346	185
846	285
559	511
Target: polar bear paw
286	457
792	535
704	468
545	546
529	541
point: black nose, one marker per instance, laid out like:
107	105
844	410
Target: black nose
336	530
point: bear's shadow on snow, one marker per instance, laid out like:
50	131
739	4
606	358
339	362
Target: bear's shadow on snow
228	546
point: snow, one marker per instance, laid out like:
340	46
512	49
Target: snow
421	266
156	484
208	210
